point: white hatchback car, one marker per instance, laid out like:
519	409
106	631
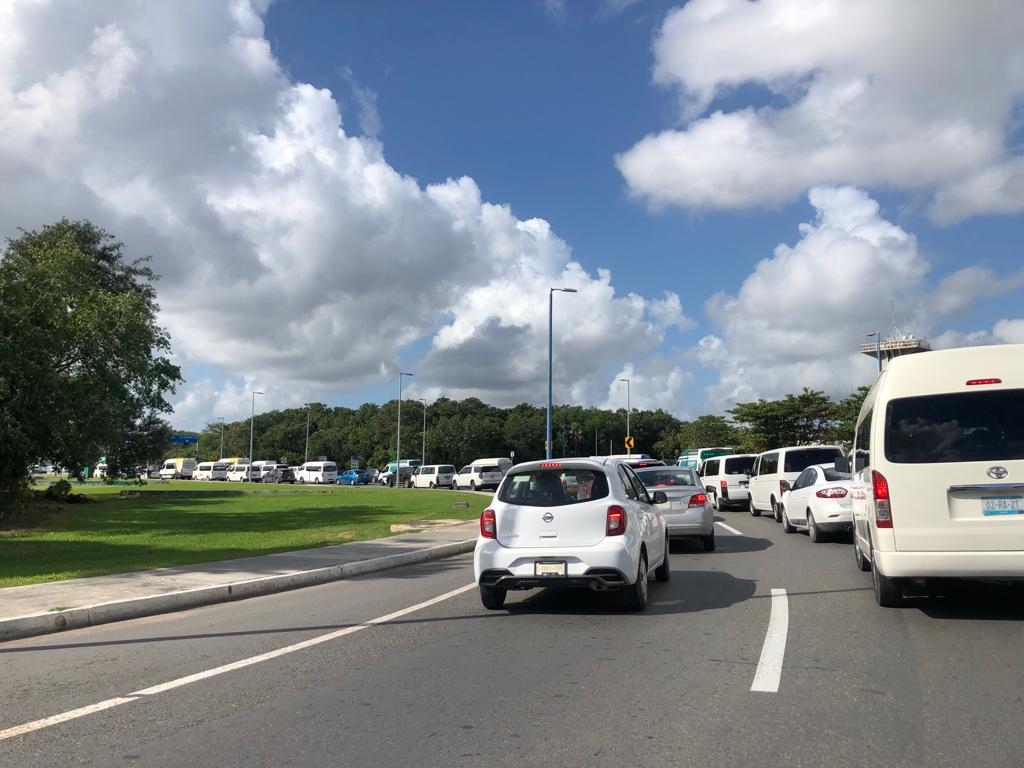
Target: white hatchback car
819	502
571	523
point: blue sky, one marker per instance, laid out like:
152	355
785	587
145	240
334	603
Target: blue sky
737	190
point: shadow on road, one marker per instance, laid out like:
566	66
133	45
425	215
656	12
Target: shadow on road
687	592
965	600
723	543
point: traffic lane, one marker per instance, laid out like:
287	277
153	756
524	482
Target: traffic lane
67	670
560	676
929	683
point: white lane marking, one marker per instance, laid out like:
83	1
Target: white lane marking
769	668
36	725
729	528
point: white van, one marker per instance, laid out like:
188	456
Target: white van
432	476
481	475
210	470
178	469
726	480
938	483
317	472
243	473
774	472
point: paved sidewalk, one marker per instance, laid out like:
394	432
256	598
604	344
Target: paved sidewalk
40	608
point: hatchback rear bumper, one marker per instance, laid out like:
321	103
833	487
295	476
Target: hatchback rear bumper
597	579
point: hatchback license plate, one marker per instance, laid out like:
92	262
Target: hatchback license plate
549	568
1002	505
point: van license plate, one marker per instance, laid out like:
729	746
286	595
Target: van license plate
551	568
1002	505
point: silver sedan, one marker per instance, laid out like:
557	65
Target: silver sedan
688	511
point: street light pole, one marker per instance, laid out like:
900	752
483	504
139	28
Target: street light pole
423	458
221	454
398	439
306	454
551	305
252	422
629	451
878	347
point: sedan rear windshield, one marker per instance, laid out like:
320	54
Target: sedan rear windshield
960	426
799	460
667	477
739	466
550	488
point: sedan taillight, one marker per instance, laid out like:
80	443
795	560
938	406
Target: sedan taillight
615	521
698	500
488	526
831	493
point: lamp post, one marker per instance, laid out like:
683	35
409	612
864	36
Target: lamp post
221	454
252	421
629	451
306	454
878	347
423	458
551	304
398	438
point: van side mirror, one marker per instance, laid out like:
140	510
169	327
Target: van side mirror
842	464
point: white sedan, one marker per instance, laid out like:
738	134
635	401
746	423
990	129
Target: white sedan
818	502
571	523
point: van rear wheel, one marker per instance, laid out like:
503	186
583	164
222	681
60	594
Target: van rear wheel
858	554
888	592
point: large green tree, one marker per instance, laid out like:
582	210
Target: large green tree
83	360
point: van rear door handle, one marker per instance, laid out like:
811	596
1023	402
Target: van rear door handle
987	487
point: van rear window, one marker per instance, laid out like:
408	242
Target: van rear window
958	426
739	466
801	459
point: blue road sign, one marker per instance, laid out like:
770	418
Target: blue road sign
184	439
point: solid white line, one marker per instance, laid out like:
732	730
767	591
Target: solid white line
769	668
36	725
729	528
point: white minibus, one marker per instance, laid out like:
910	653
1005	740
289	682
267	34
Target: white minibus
938	483
317	472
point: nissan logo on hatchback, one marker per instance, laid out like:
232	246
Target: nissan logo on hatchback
997	473
547	517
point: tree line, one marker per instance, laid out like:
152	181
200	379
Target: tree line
85	370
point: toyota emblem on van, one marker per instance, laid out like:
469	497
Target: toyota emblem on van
997	473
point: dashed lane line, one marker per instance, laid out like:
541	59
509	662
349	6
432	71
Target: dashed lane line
769	668
729	528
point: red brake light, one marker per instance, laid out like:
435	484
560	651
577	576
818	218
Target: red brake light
615	521
698	500
550	465
883	511
831	493
976	382
488	528
724	484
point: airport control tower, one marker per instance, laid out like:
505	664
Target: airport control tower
885	350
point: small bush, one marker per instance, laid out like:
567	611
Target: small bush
59	491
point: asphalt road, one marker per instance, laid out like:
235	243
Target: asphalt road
557	680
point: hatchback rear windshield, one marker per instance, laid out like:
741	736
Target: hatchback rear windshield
960	426
550	488
799	460
667	477
740	466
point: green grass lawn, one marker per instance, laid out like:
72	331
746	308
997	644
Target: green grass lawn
179	522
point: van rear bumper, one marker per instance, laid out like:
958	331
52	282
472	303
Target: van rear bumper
965	565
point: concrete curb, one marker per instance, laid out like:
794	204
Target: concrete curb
102	613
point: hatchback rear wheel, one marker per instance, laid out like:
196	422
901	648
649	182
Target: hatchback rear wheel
636	593
493	598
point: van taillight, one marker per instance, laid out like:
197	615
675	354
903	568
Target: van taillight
724	484
883	511
488	528
615	521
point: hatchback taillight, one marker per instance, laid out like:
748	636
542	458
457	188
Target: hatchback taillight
488	527
698	500
831	493
615	521
883	511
